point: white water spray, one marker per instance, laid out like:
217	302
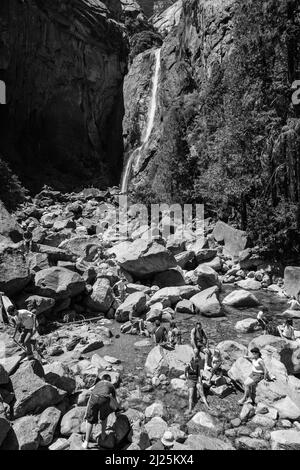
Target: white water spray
136	155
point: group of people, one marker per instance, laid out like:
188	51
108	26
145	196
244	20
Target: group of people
285	330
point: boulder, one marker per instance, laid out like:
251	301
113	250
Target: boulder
204	276
186	259
156	409
156	428
185	306
205	442
5	427
10	364
173	362
248	443
203	420
58	283
79	246
230	352
32	393
287	408
248	325
292	280
59	444
135	304
27	433
172	295
102	297
207	302
249	284
241	298
14	270
4	377
47	425
247	412
9	228
234	240
72	420
170	278
143	257
59	375
285	440
37	303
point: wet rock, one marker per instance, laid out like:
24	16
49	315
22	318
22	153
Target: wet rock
143	258
285	440
135	304
72	420
47	425
173	363
207	302
248	325
27	433
58	283
241	298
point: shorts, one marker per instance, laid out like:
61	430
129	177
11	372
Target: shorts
98	407
256	377
192	383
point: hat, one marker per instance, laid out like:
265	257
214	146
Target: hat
168	439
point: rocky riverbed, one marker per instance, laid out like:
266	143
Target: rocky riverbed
83	283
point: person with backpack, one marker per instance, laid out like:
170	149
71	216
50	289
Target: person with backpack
193	375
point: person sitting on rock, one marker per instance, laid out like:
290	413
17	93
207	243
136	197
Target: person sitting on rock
259	373
193	375
199	341
262	319
216	364
287	330
294	304
25	323
174	335
160	334
101	404
165	443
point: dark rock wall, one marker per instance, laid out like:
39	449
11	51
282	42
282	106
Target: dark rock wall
63	63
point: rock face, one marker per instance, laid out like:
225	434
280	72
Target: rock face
166	20
292	280
143	258
75	108
14	270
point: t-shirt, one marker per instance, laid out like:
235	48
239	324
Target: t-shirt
26	319
104	388
258	366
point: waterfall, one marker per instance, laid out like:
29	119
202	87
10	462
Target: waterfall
135	157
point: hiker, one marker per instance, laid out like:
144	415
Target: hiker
294	304
193	375
287	330
199	341
174	335
165	443
25	323
101	404
259	373
160	333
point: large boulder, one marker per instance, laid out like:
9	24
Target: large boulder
285	439
134	304
234	240
207	302
102	297
248	325
72	420
47	424
142	258
27	433
60	376
204	276
205	442
14	270
156	428
37	303
58	283
79	246
249	284
204	420
289	351
170	278
230	352
173	295
32	393
292	280
241	298
173	363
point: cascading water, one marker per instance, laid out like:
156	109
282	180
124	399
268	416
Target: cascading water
135	157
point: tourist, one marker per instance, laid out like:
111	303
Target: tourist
25	323
101	404
294	304
160	333
262	319
259	373
165	443
193	375
287	330
174	335
216	364
199	341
